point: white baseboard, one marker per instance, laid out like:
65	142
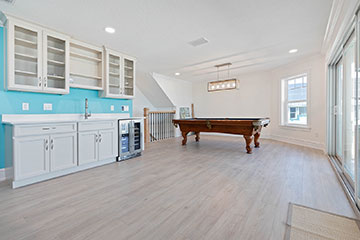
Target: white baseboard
2	174
301	142
296	141
5	174
266	136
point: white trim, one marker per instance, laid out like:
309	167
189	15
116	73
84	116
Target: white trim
264	136
2	174
283	105
335	12
6	174
294	127
290	140
300	142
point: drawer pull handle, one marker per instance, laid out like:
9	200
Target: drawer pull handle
45	128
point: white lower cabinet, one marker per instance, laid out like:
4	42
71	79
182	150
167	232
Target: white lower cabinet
63	151
37	155
31	156
44	151
88	147
107	144
97	144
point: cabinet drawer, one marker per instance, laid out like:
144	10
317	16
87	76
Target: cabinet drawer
91	126
27	130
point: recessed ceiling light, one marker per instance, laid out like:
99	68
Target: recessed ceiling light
177	74
293	51
110	30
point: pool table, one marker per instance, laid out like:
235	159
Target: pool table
250	128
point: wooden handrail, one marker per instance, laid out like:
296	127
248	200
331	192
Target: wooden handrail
157	112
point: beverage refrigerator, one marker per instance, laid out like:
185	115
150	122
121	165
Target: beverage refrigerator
130	139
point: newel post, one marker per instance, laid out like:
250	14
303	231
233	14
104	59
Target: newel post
146	125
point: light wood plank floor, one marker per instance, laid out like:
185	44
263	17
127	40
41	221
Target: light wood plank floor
206	190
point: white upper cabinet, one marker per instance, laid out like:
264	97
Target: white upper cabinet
56	62
119	75
41	60
37	59
86	66
129	76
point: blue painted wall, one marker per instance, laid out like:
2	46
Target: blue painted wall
11	101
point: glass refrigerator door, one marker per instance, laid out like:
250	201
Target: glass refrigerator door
124	137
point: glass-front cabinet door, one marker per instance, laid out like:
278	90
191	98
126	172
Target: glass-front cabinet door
55	63
38	59
129	76
119	75
113	75
24	56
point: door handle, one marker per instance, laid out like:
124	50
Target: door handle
52	144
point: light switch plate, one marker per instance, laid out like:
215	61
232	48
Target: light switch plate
47	107
25	106
125	108
112	108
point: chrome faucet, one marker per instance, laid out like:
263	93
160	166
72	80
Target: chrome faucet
87	115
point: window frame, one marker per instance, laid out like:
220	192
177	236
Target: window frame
284	101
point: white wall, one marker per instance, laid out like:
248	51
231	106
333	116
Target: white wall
178	91
259	96
251	100
316	134
140	102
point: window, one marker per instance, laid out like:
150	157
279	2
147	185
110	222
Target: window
294	101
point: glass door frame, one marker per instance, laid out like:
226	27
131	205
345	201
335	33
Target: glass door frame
353	186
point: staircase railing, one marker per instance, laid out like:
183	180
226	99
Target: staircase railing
158	125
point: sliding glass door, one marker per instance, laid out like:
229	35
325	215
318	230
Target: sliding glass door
339	111
345	140
350	104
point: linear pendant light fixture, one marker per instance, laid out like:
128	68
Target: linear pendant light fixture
226	84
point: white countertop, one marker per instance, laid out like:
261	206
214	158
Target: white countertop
21	119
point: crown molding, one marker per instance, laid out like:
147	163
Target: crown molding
335	14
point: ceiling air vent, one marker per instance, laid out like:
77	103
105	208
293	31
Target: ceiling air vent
198	42
8	1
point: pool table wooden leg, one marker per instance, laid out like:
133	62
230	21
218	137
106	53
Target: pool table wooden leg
184	134
256	140
197	137
248	140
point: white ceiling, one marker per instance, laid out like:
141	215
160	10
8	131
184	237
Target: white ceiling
254	35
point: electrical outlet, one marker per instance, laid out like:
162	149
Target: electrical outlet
25	106
47	107
125	108
112	108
